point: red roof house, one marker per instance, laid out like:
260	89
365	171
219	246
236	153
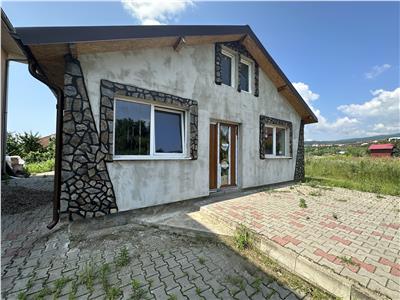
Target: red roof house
381	150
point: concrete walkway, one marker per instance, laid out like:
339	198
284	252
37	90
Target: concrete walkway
353	234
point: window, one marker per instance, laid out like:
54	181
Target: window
275	141
280	141
132	128
227	68
168	131
148	131
269	144
245	75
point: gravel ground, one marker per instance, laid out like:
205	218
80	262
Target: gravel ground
24	194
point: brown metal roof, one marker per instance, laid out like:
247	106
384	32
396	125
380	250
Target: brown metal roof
49	44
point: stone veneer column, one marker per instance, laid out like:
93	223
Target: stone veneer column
86	185
299	170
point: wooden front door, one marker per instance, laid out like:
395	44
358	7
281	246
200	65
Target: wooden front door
223	155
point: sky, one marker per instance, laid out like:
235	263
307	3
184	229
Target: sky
343	57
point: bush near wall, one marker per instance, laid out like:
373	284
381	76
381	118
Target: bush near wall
40	167
37	158
376	175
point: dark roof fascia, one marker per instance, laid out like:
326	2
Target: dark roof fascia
7	21
287	81
76	34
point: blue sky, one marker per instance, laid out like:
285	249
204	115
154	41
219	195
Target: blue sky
343	57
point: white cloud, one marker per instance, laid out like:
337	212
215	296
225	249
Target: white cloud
376	71
155	12
379	115
383	104
305	92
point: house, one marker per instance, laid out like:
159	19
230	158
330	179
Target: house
381	150
149	115
45	141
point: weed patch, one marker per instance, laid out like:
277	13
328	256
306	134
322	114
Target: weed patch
257	284
137	292
202	260
236	281
122	258
315	193
59	284
302	203
242	237
87	276
113	293
348	260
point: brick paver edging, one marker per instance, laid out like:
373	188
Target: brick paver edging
303	267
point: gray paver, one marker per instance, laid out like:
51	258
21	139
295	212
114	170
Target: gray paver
163	265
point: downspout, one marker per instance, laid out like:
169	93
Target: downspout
34	69
37	72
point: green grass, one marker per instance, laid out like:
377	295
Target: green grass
40	167
376	175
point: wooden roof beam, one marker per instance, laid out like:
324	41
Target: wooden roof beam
180	42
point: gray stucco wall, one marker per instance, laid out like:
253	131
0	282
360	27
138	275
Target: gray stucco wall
189	74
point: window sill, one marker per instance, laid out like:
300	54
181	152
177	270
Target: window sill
130	158
277	157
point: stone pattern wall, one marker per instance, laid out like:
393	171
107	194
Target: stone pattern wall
299	170
109	90
264	120
240	50
86	185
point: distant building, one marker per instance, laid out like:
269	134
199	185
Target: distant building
395	138
381	150
44	141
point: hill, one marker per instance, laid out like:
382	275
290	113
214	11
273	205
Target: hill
354	140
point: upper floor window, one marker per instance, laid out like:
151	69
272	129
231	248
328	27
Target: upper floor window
145	130
235	67
227	68
245	75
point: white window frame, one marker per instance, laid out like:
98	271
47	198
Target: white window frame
273	155
250	65
153	154
233	65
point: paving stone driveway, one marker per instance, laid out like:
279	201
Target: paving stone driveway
42	264
356	234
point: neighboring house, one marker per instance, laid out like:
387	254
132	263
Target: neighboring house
158	114
381	150
44	141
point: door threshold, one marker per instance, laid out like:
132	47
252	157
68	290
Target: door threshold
224	190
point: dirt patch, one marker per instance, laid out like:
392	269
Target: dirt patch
16	200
